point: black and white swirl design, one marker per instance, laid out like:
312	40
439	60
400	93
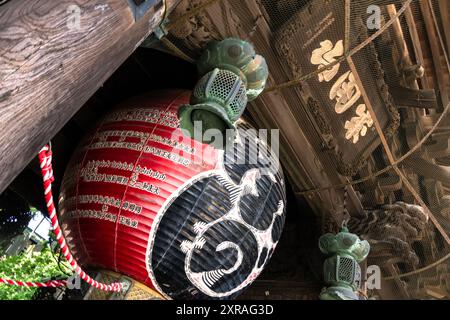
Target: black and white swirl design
219	231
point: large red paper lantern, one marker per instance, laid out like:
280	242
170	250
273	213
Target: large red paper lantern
190	221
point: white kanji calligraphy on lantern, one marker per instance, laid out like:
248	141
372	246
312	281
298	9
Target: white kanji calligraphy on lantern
345	91
325	55
357	126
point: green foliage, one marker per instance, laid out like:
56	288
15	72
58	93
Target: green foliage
28	266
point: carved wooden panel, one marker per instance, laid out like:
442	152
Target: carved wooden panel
314	38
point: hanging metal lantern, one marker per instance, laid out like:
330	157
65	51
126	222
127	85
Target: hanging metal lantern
189	221
341	269
239	57
232	74
217	102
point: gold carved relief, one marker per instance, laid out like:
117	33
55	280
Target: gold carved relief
345	91
325	55
358	126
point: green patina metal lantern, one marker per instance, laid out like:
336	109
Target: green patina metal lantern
342	272
239	57
218	100
232	74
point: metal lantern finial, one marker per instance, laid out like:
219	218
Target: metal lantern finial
341	269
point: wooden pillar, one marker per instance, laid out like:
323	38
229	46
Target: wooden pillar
54	55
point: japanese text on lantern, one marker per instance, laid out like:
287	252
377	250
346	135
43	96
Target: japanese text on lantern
345	91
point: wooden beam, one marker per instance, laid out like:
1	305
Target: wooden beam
418	52
398	35
54	55
347	25
412	29
441	69
416	98
440	35
428	169
444	6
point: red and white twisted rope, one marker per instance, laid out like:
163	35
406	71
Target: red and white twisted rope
51	283
45	160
